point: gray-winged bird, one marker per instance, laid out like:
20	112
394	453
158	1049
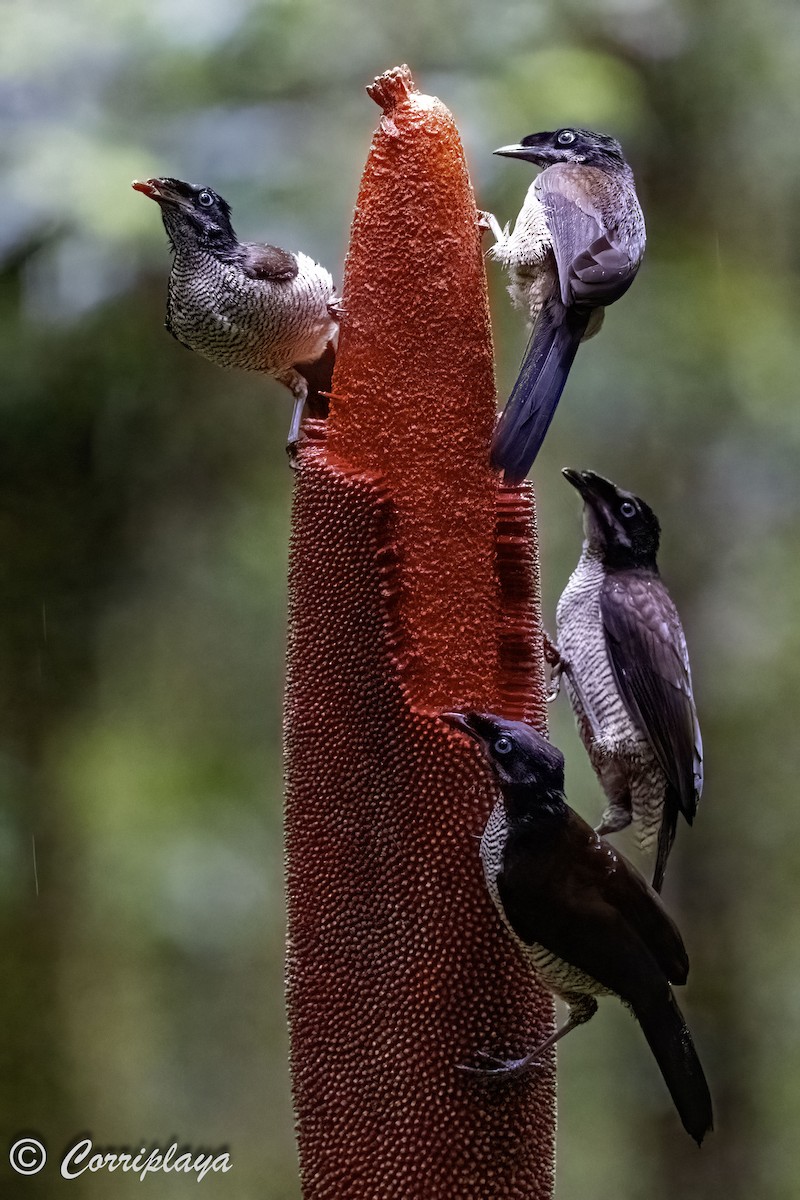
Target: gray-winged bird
575	248
626	669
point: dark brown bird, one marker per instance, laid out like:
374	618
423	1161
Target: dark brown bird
243	304
624	661
576	247
585	919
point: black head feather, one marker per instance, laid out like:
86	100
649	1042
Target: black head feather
519	755
568	144
620	527
192	214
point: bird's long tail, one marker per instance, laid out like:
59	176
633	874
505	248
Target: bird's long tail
671	1042
533	400
666	836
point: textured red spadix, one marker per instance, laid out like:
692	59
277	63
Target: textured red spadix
413	588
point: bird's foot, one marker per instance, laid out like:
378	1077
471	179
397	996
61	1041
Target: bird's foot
492	1067
487	220
554	687
557	665
292	449
551	651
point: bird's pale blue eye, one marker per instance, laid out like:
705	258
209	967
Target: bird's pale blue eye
566	137
627	509
206	199
503	745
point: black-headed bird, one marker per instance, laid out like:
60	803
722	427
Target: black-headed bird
244	304
575	248
624	662
585	919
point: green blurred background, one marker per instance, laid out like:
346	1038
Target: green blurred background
144	508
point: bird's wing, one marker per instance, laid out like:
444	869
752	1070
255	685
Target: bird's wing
586	904
593	268
650	662
268	262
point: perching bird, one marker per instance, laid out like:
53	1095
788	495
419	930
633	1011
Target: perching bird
584	918
244	304
623	658
576	247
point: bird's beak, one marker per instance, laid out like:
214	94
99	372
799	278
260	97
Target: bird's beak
158	190
146	186
592	487
468	724
458	721
600	497
516	151
575	478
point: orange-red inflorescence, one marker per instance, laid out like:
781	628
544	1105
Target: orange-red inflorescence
413	588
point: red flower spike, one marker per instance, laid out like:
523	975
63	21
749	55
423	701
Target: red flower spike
413	588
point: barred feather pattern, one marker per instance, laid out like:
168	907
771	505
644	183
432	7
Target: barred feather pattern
266	325
619	752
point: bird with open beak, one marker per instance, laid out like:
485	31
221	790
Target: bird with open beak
245	304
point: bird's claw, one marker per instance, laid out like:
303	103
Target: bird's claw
555	683
489	1065
488	221
551	652
556	663
292	454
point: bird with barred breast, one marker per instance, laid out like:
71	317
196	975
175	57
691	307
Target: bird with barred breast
585	919
622	655
245	304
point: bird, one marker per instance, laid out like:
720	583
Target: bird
245	304
585	919
621	652
576	247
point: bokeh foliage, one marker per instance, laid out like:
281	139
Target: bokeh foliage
144	502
